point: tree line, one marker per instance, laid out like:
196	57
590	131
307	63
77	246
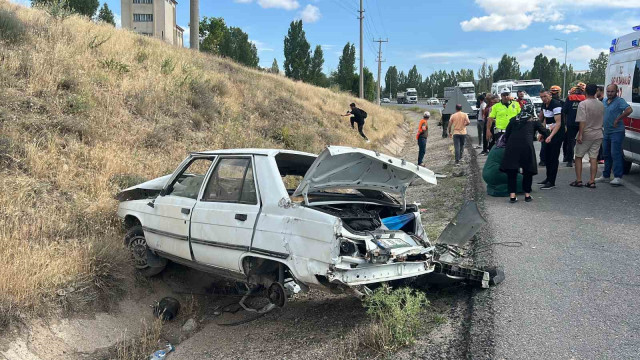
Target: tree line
87	8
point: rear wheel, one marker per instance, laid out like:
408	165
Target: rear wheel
627	167
146	262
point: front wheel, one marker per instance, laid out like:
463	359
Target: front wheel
143	258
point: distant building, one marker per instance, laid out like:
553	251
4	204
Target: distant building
155	18
581	72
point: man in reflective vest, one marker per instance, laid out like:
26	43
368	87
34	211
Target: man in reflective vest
501	114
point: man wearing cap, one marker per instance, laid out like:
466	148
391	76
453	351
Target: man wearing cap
421	136
501	114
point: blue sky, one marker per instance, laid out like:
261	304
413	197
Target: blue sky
434	34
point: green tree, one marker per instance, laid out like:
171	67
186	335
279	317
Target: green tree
554	73
508	68
82	7
402	81
540	70
274	67
315	75
484	80
230	42
297	54
212	33
369	85
598	69
391	82
414	78
106	15
346	68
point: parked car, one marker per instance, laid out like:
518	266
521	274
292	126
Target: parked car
235	213
433	101
386	100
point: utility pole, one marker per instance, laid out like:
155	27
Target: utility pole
361	54
380	61
564	81
194	25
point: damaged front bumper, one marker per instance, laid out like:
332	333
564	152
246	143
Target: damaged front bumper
345	274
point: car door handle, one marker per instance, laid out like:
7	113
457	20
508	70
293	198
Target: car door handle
185	211
241	217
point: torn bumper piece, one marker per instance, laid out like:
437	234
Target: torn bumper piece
344	274
445	274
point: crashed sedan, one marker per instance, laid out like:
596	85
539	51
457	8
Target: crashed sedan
284	219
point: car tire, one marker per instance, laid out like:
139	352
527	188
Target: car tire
626	168
141	255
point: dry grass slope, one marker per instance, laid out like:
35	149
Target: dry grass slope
86	110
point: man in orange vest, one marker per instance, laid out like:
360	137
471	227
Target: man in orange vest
421	136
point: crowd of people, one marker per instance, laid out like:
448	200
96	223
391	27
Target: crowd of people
584	123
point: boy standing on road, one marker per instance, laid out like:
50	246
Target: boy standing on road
480	123
570	110
458	122
589	119
357	117
421	136
615	110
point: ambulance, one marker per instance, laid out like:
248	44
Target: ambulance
624	70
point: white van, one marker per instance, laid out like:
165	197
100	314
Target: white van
624	70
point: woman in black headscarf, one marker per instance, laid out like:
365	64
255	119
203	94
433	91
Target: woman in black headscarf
519	152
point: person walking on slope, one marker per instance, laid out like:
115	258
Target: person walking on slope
570	109
459	122
357	117
480	122
615	110
520	153
552	120
445	120
589	141
421	136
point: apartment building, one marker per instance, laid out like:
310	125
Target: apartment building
155	18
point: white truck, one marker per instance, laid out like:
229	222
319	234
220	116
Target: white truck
469	92
501	84
409	96
623	70
531	88
231	213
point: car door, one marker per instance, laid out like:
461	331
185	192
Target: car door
167	228
223	219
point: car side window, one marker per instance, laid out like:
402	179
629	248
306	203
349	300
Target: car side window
232	181
189	182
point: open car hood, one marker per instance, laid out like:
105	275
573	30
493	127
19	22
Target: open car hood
145	190
341	167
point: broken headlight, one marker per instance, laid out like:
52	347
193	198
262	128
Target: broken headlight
348	248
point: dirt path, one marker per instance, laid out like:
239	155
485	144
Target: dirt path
311	326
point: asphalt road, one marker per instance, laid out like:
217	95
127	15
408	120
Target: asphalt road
572	290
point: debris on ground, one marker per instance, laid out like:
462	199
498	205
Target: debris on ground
167	308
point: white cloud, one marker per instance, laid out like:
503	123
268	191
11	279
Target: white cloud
310	14
243	1
524	46
618	24
567	29
260	45
279	4
518	15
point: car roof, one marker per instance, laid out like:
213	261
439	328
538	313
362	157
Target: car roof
252	151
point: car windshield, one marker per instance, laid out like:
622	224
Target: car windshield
411	93
532	90
468	90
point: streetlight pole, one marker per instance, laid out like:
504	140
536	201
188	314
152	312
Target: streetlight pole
484	65
564	81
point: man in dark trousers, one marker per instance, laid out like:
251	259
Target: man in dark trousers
570	110
357	117
551	116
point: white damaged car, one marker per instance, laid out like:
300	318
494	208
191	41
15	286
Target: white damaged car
276	217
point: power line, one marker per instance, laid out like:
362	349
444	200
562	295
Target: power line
371	18
381	19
